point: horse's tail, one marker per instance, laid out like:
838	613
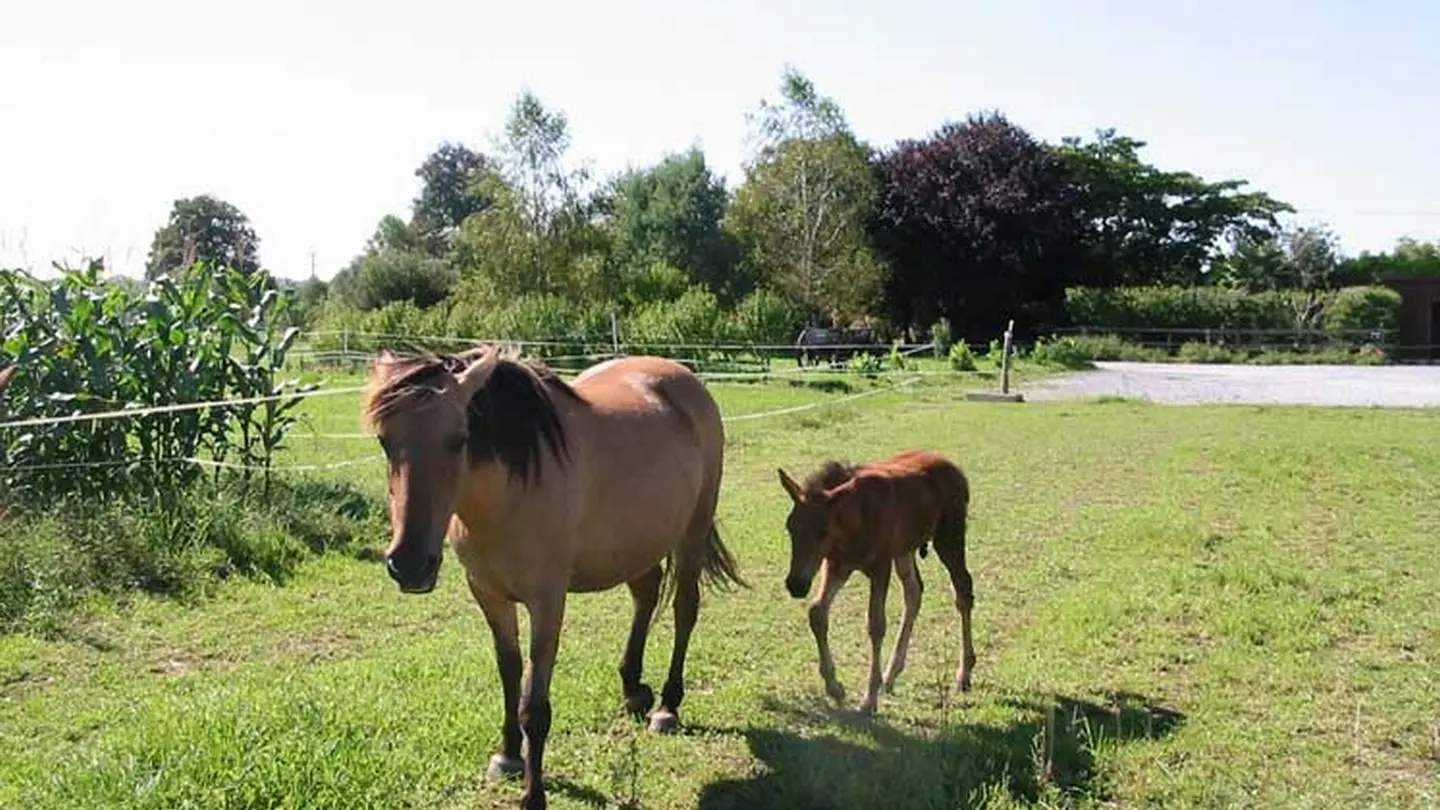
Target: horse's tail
718	568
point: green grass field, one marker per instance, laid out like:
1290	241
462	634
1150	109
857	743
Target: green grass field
1177	607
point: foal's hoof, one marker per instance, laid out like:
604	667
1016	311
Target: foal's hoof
664	722
835	691
502	767
638	703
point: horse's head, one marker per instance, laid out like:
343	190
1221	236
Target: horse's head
811	523
418	408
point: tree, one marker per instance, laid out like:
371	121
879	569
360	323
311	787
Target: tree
1410	257
670	215
449	193
206	229
396	266
808	191
1147	226
1299	258
978	222
540	234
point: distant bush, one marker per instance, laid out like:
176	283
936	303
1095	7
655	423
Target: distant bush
960	357
1063	352
1221	309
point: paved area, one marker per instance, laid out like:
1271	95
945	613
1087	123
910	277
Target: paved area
1195	384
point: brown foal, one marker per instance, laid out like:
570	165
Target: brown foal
873	518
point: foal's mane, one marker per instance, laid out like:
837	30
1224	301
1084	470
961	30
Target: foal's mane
509	418
830	475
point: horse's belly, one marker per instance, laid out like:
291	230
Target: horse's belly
624	550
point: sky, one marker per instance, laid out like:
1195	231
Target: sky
311	117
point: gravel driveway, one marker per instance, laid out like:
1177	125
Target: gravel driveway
1195	384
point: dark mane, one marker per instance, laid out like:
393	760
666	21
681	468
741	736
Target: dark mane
830	475
509	418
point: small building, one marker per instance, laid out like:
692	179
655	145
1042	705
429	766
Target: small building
1419	339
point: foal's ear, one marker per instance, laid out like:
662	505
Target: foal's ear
789	484
384	356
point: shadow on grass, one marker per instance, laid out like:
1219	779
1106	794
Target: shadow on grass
1046	754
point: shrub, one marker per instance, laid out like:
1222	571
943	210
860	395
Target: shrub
1063	352
1194	351
1360	308
765	318
960	357
941	337
695	318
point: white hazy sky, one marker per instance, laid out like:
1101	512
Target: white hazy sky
312	116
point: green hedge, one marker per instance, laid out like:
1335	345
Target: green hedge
1181	308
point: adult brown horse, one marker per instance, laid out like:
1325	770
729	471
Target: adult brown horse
873	518
547	488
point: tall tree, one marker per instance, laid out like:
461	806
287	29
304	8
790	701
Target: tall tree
449	192
978	223
1298	258
541	233
1148	226
670	214
808	191
203	228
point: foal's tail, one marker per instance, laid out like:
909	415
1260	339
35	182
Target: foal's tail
954	491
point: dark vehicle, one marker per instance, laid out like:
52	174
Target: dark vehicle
833	346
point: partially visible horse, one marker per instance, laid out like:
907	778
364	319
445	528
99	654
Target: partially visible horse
873	518
546	488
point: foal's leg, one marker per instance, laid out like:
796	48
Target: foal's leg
909	574
687	610
644	593
546	617
831	580
953	556
879	587
505	631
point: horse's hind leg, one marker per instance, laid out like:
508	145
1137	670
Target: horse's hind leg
687	610
909	574
645	594
950	545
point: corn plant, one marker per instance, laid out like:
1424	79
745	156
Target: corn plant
86	343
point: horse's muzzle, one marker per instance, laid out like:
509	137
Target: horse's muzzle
797	586
414	574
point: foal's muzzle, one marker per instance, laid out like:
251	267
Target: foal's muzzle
797	586
415	573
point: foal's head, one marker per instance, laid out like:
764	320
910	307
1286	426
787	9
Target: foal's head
810	522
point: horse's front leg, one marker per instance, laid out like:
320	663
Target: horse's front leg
831	580
546	616
879	588
505	630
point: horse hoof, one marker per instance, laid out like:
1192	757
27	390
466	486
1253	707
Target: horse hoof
640	702
836	692
502	767
963	685
867	707
664	722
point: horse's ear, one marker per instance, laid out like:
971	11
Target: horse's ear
384	356
789	484
473	377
